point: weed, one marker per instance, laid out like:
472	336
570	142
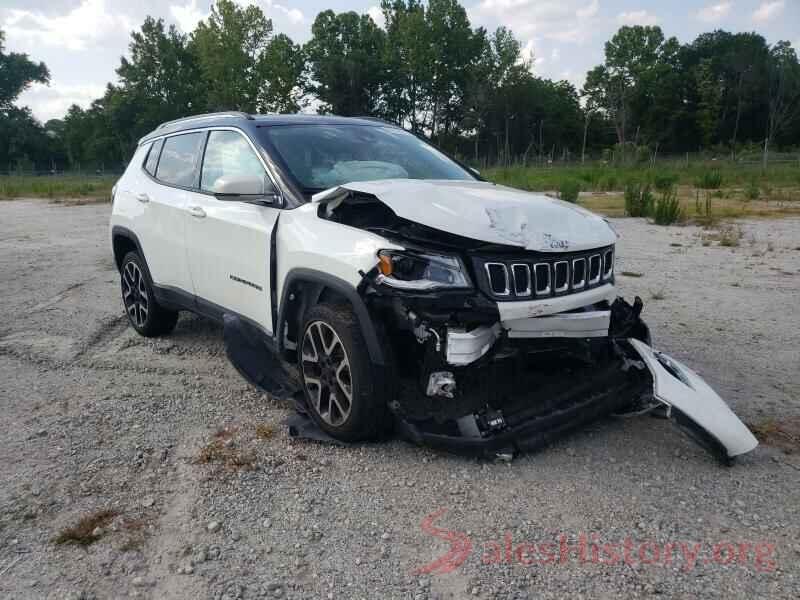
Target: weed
264	431
781	434
668	208
638	199
752	191
83	532
222	450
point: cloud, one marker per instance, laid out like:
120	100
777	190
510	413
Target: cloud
81	28
636	17
295	15
565	21
588	11
187	17
376	14
766	11
715	12
52	102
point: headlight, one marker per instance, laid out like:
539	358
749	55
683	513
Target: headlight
421	271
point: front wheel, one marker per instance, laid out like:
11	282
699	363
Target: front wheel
145	314
338	379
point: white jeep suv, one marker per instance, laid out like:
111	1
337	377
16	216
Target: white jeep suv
385	285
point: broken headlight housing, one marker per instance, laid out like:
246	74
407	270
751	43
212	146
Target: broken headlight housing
421	271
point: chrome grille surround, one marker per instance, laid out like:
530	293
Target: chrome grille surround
541	275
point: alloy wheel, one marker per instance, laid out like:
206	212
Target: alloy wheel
326	373
134	294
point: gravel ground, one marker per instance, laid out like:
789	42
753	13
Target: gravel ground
211	499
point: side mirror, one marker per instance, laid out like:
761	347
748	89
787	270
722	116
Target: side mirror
247	188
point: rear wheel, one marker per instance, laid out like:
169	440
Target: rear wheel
338	379
145	314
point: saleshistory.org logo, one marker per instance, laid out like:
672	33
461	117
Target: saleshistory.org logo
589	548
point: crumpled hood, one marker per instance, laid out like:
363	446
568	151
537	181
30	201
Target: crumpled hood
488	212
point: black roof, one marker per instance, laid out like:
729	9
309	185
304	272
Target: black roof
250	122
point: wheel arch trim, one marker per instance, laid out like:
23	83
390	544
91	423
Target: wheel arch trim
319	282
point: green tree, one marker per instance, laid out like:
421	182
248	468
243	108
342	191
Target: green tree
230	48
161	78
710	92
408	61
639	84
783	92
281	70
346	70
17	73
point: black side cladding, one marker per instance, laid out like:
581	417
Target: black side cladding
255	360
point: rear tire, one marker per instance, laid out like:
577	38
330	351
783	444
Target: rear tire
339	381
145	314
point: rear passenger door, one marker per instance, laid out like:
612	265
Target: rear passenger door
228	240
173	168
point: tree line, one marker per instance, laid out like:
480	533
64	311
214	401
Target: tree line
470	91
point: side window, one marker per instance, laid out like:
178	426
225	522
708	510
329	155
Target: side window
152	157
228	154
179	159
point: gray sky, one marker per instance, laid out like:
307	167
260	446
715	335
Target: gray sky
82	40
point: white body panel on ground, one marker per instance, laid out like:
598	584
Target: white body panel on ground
695	398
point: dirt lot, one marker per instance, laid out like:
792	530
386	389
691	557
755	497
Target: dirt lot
205	495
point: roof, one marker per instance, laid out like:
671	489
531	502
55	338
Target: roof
249	122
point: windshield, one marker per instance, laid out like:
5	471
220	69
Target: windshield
324	156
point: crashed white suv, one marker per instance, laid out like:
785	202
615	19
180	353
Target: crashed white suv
386	287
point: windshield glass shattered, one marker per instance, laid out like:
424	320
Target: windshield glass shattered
323	156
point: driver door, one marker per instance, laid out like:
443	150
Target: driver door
228	240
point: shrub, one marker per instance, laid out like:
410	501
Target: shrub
752	191
638	199
664	181
569	190
667	208
709	180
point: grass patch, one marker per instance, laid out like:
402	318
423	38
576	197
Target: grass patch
56	186
778	189
82	532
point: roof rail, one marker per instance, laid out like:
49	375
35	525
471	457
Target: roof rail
376	119
228	113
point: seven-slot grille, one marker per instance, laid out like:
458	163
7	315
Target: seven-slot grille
539	275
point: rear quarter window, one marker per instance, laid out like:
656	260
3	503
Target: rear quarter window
152	157
179	159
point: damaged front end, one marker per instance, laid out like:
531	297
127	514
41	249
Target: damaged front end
499	348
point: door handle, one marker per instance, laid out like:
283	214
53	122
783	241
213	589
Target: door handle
144	198
196	211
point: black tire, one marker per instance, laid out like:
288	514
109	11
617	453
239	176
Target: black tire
368	416
145	314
